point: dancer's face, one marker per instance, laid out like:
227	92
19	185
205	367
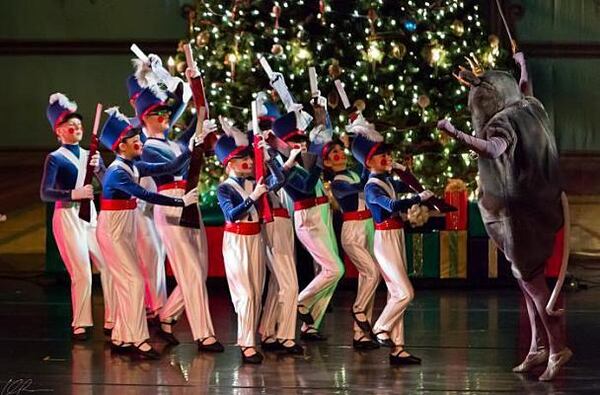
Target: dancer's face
336	159
70	132
243	167
380	163
131	147
157	121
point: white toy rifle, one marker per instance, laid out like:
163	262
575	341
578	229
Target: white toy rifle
278	83
162	74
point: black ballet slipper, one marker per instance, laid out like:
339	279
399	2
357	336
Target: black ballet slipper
294	349
364	345
213	347
80	337
305	317
365	325
270	346
166	336
312	334
397	360
256	358
384	342
150	354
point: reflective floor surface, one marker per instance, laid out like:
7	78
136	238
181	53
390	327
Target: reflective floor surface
468	340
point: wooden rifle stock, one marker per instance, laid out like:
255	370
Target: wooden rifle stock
190	215
260	170
86	204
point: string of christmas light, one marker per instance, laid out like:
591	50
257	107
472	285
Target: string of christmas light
395	61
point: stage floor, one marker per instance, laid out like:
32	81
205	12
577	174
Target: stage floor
469	340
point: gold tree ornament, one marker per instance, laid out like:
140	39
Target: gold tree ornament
458	28
203	39
180	67
494	41
398	50
277	49
360	105
423	101
334	69
333	99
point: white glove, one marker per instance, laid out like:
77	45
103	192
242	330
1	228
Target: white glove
398	166
519	59
447	127
209	126
192	73
259	190
84	192
319	101
194	142
425	195
155	61
190	198
95	160
292	159
262	144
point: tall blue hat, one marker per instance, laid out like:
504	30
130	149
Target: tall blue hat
366	139
60	108
234	143
133	89
115	128
285	127
148	100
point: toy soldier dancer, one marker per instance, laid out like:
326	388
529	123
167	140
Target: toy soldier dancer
243	246
62	183
186	247
117	227
381	193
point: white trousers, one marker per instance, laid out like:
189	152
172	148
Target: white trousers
357	242
315	231
279	312
188	256
391	257
116	236
151	254
76	242
245	271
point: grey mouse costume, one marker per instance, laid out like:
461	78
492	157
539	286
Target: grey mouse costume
520	190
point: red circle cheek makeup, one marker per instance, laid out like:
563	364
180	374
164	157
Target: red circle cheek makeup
245	166
384	162
137	146
161	119
336	157
72	130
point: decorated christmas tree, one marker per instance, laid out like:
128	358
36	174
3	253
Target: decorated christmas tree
395	59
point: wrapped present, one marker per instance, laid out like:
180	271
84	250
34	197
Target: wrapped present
423	254
476	227
485	260
453	254
456	195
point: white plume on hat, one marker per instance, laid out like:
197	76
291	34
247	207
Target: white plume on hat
114	112
240	138
158	92
320	135
143	73
63	101
362	127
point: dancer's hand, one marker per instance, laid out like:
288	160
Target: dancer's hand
446	126
289	163
84	192
95	160
190	198
519	58
259	190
